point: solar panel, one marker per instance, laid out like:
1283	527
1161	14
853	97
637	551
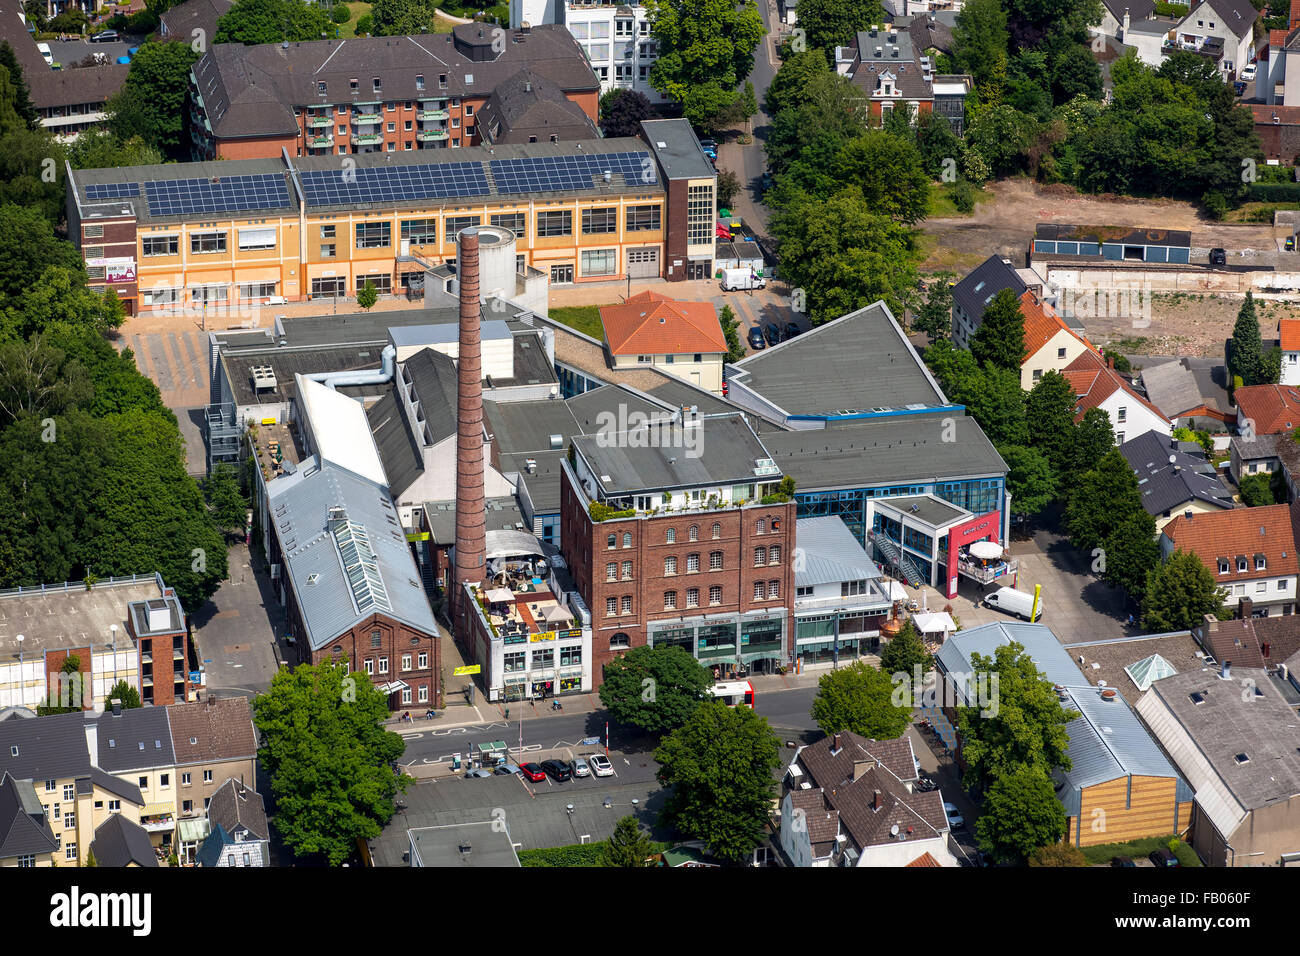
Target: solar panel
563	173
112	190
392	184
177	197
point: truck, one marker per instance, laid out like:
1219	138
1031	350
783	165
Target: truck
733	279
1013	602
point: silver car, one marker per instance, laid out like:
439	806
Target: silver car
580	767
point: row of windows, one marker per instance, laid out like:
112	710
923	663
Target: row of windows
377	86
693	563
518	661
764	556
772	590
422	662
615	606
1261	563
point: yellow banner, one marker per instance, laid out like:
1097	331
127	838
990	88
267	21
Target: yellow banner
465	671
544	636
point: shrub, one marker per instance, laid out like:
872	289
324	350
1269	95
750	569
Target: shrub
340	13
962	194
365	26
1273	192
600	511
1215	203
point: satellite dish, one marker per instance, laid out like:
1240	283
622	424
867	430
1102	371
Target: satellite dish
1172	459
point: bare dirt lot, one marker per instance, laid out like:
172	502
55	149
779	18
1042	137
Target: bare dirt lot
1180	323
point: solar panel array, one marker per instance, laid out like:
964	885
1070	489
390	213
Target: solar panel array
112	190
562	173
390	184
178	197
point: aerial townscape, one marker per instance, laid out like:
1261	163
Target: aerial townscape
596	433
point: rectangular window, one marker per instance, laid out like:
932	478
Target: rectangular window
114	806
207	776
423	660
383	283
327	232
187	806
92	232
160	245
419	232
27	860
758	590
51	786
643	218
760	557
257	290
327	251
774	554
715	595
692	597
374	235
185	779
570	656
1121	413
406	662
611	571
700	215
257	238
383	665
70	851
69	791
599	262
456	223
543	659
611	607
715	561
406	695
423	695
516	222
670	565
70	820
555	222
627	570
206	243
144	783
165	780
368	665
603	219
514	662
670	600
626	607
774	589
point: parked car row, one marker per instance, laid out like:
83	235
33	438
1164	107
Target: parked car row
771	334
558	770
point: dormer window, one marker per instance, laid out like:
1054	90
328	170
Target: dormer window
1223	565
1241	564
1260	562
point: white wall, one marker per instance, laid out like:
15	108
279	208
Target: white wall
1290	368
905	851
1138	419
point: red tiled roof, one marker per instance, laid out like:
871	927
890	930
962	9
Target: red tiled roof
1041	324
1271	408
1288	331
1287	115
1095	381
1243	642
652	324
925	859
1241	532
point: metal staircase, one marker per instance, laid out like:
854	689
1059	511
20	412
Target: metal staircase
894	555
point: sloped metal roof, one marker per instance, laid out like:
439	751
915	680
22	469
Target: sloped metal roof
827	552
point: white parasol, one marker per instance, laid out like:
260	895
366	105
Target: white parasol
986	550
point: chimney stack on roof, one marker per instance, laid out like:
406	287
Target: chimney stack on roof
1211	624
471	520
877	800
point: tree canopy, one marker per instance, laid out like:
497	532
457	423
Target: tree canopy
831	23
621	112
1000	339
391	18
1021	814
1179	593
654	688
719	766
904	652
859	697
1245	348
273	21
151	103
329	759
627	845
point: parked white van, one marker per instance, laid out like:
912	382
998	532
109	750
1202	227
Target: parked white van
1013	602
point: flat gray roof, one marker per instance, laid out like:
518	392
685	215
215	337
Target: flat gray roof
933	511
678	150
464	845
859	363
63	617
895	451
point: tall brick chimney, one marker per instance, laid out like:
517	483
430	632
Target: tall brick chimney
470	517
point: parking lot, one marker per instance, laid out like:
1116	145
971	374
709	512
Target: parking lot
70	52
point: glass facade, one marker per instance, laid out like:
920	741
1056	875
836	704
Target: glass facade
978	496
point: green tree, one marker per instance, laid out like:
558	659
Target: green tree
59	298
939	146
124	692
831	23
904	652
1245	348
340	13
1270	367
934	317
952	367
251	22
655	689
994	398
1018	721
151	103
30	247
1131	551
1049	414
719	766
627	846
621	112
38	379
329	759
1000	339
22	97
788	89
226	503
1093	437
1179	593
980	46
859	697
728	188
401	17
888	170
1256	490
1101	501
367	295
1003	137
1058	854
99	148
731	331
828	112
1030	479
706	49
1021	813
1199	436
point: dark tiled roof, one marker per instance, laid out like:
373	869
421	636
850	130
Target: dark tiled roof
530	105
823	822
1238	15
182	20
119	842
24	828
1166	485
927	34
252	90
433	376
210	853
135	739
830	769
221	728
398	452
1136	9
982	283
49	748
1242	642
870	819
235	805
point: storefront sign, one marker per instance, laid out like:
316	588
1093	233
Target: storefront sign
469	669
115	270
544	636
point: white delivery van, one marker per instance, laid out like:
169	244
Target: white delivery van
47	53
733	279
1013	602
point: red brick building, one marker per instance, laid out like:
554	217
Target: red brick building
688	553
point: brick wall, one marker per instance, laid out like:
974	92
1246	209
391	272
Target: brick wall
395	639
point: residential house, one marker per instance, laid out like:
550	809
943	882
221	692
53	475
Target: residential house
682	338
1190	393
193	20
1118	773
976	290
1098	385
1250	640
1288	331
238	820
136	745
59	754
26	838
1235	738
895	75
1050	344
214	741
120	843
1152	39
1267	409
1174	477
848	801
529	108
1255	455
1249	551
1118	15
1222	30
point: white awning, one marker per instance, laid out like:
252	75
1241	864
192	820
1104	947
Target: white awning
895	591
938	622
556	614
986	550
392	687
500	596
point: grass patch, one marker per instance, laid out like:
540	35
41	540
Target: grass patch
941	205
1130	344
358	10
583	318
1138	849
1257	211
934	257
585	854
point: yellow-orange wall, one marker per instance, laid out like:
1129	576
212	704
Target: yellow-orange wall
1108	814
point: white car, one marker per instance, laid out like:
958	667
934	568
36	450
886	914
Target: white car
600	765
955	820
1247	72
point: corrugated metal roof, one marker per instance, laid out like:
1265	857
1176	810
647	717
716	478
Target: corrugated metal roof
1038	640
300	510
1108	741
827	552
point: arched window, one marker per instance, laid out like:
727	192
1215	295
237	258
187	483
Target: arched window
671	536
694	533
620	641
627	539
612	540
717	531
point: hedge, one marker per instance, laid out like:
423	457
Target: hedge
585	854
1274	192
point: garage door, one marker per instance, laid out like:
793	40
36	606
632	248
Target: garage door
643	263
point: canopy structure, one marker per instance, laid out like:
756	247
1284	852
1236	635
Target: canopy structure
986	550
938	622
502	543
895	591
500	596
557	614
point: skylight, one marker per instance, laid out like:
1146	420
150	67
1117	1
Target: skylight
361	567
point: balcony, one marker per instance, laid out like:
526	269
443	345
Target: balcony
429	135
367	118
317	122
427	116
320	142
367	139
